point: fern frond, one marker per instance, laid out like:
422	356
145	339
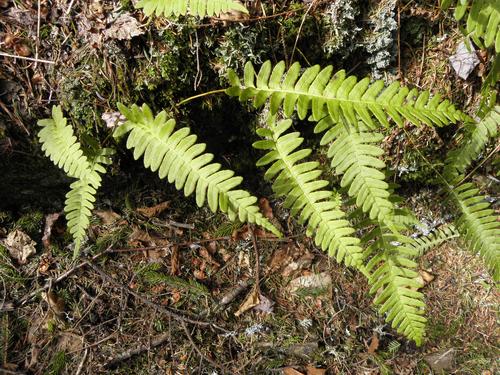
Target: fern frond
199	8
354	153
177	157
478	224
322	92
425	243
62	148
483	20
476	138
299	182
396	283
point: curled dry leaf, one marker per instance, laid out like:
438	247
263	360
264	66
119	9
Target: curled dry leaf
154	210
250	302
55	302
313	370
50	219
291	371
265	208
20	245
174	261
373	344
108	217
205	254
265	305
125	27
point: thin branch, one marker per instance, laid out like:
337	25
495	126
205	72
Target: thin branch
26	58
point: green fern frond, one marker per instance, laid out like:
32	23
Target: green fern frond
483	20
199	8
394	279
322	92
476	138
299	182
177	157
425	243
62	147
478	224
355	155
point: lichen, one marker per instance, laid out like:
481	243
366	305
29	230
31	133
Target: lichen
339	20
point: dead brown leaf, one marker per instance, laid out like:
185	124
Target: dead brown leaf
174	261
205	254
108	217
199	274
265	208
313	370
55	302
20	246
373	344
154	210
427	277
125	27
291	371
250	302
50	219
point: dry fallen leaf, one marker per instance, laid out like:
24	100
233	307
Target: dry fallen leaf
312	370
265	305
108	217
55	302
174	261
427	277
154	210
20	246
205	254
373	344
251	301
291	371
125	27
50	219
265	208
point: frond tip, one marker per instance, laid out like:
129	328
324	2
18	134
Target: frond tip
199	8
175	155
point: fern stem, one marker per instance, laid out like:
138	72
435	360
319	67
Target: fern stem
219	91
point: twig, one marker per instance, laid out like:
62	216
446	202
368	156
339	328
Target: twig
80	366
195	347
300	28
69	7
26	58
157	341
180	244
37	33
146	301
257	261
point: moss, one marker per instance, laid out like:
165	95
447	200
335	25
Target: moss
31	223
57	363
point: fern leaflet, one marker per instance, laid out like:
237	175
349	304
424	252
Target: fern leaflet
476	138
199	8
298	182
322	92
177	157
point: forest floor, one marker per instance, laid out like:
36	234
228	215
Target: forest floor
162	287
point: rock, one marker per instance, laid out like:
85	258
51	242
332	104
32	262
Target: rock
441	360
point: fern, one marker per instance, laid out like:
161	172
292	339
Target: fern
425	243
177	157
475	140
62	147
321	92
478	224
199	8
483	20
298	182
395	281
